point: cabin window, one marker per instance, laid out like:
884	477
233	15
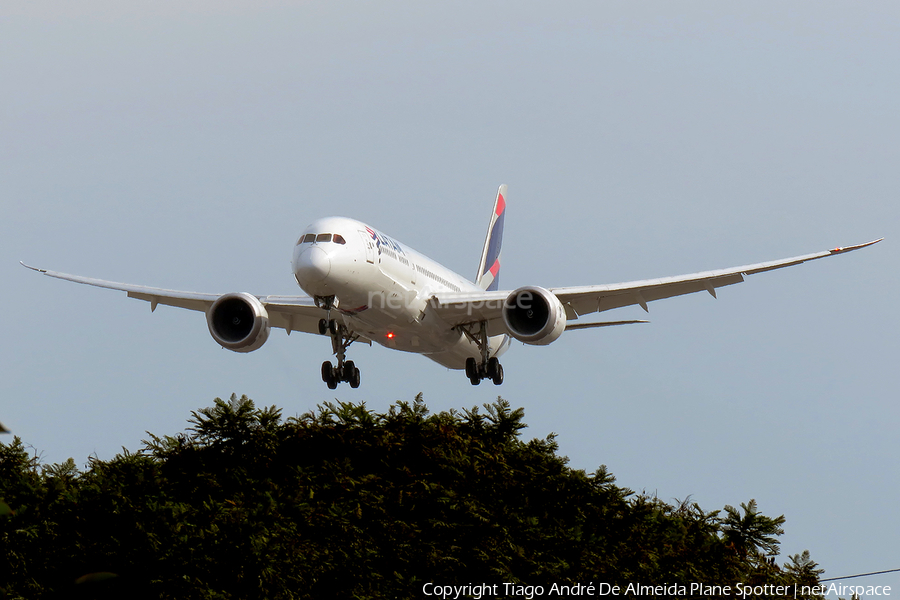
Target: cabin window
323	237
339	239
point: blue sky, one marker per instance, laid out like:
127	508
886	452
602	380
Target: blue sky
186	144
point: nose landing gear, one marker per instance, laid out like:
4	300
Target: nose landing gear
345	370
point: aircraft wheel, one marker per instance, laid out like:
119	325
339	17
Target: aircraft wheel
333	327
332	384
354	378
323	326
471	368
493	367
475	380
327	372
347	373
497	377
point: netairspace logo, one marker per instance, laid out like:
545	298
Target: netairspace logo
739	590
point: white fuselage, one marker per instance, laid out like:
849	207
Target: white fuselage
382	288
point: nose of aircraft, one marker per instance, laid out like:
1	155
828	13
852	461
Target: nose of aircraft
313	265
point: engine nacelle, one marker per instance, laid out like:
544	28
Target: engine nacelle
534	315
238	322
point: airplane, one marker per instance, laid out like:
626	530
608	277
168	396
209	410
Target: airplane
365	286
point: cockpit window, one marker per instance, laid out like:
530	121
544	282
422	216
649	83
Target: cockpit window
322	237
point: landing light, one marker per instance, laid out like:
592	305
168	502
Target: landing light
389	335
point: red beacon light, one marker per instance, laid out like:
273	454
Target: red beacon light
389	335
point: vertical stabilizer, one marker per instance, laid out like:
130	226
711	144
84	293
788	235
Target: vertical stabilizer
488	277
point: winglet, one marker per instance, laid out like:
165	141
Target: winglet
856	247
488	276
32	268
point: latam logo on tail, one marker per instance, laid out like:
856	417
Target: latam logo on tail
364	286
489	268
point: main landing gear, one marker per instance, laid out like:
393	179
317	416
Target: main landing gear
492	369
489	367
345	370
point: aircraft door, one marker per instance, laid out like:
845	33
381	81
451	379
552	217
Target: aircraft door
369	245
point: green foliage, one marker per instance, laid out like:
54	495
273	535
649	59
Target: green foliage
803	570
752	534
345	502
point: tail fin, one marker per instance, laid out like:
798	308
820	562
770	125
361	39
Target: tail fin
488	277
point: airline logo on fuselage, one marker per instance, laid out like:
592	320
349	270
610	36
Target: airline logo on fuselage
383	240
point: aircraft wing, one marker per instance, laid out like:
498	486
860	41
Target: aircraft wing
291	313
464	308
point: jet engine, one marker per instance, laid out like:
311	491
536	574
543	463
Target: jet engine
238	322
534	315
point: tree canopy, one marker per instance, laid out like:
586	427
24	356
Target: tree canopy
346	502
